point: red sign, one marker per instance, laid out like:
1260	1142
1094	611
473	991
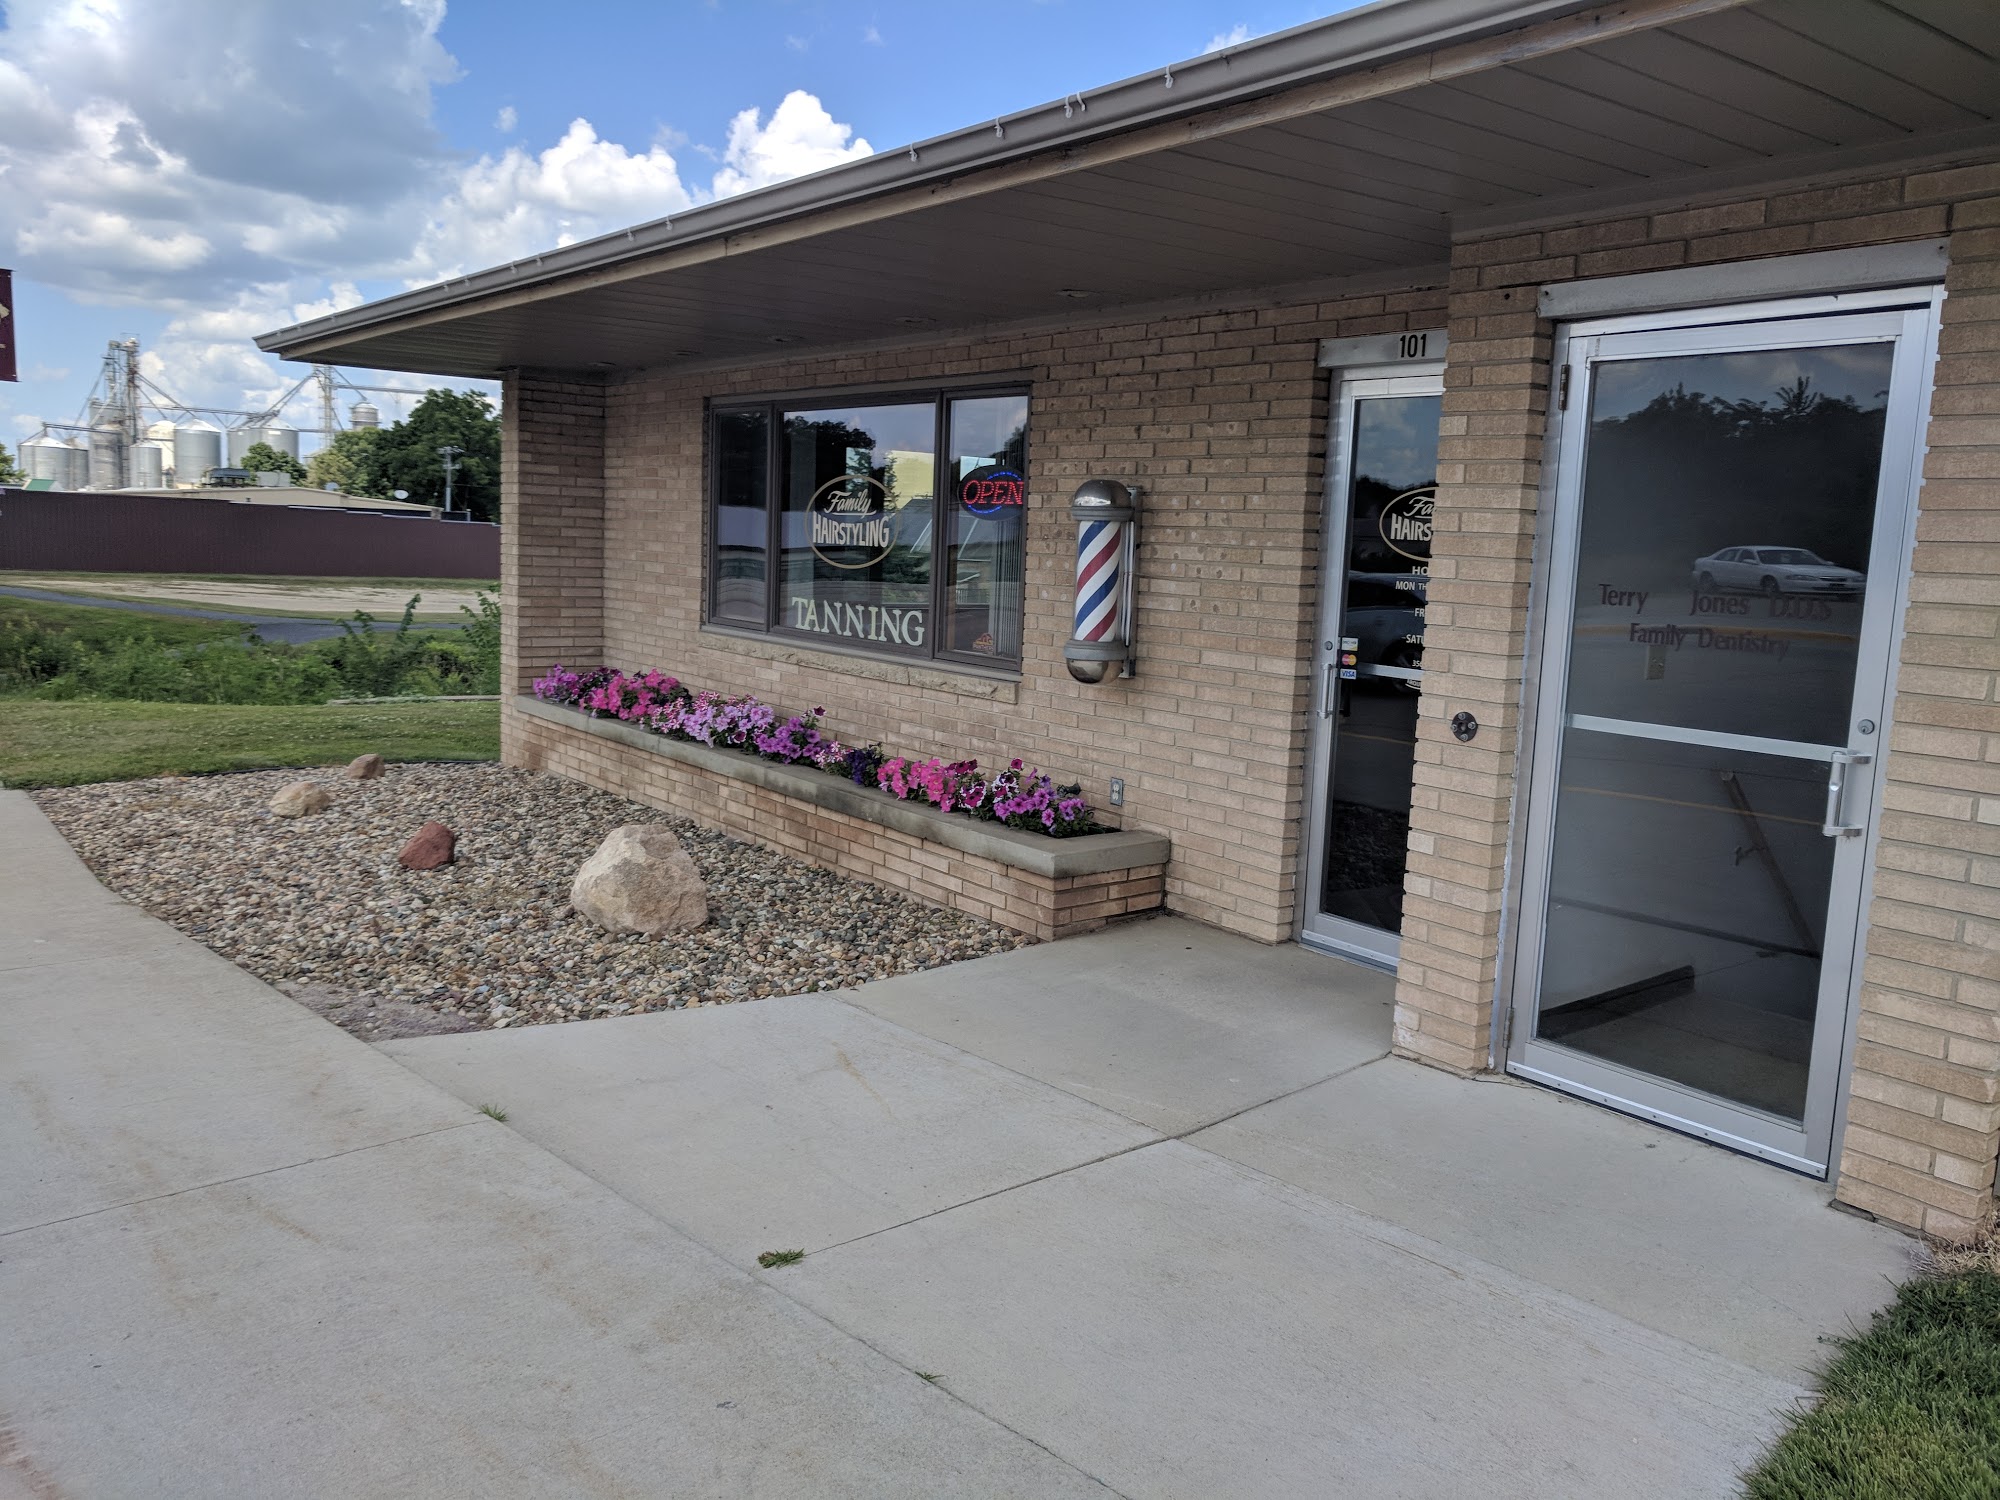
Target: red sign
987	491
8	371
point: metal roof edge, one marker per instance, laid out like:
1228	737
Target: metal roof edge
1372	34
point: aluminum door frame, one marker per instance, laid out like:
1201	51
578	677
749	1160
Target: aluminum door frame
1339	935
1909	317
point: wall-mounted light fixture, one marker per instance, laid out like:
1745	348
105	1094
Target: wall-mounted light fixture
1107	527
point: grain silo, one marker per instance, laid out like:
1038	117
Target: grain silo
197	449
284	439
48	457
365	414
107	446
148	467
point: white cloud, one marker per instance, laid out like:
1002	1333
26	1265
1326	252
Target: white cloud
206	356
298	159
872	36
1230	38
801	137
125	179
518	203
796	43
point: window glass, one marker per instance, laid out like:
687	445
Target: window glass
741	528
1723	557
987	510
858	492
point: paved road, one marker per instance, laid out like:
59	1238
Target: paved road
271	627
1152	1206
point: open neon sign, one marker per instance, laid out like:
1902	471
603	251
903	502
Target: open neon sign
990	491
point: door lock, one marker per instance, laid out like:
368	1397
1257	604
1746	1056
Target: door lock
1836	793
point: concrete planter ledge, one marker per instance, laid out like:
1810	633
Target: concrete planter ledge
1047	886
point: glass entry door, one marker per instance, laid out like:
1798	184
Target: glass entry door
1730	532
1369	661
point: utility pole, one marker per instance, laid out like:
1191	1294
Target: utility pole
450	456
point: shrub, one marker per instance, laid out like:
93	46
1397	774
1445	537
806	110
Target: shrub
93	656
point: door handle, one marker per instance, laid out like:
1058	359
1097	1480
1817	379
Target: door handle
1327	701
1836	793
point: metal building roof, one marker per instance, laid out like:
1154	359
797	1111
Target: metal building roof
1350	146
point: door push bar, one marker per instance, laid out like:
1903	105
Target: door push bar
1836	793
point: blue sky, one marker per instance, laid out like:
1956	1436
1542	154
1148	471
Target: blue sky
193	172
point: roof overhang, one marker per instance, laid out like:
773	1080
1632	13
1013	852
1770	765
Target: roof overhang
1349	148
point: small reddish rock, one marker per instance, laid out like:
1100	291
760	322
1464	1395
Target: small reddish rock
429	847
366	767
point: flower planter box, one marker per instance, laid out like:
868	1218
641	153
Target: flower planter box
1043	886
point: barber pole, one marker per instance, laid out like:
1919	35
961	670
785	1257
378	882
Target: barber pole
1105	512
1100	547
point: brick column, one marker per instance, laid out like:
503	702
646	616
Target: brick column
552	533
1475	641
1924	1115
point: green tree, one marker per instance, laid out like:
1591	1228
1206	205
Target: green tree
262	458
10	472
405	455
344	462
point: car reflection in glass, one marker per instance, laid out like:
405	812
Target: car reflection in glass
1385	616
1774	570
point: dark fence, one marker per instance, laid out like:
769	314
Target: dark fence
50	530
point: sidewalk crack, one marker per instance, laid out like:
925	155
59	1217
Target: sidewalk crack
198	1187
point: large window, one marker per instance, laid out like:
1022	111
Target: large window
892	525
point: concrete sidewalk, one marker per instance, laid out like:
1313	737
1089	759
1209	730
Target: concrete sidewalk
246	1255
1267	1259
1153	1206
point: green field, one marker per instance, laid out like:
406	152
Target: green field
68	744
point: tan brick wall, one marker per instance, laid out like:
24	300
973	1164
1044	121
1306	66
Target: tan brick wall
1219	416
1041	906
552	536
1925	1117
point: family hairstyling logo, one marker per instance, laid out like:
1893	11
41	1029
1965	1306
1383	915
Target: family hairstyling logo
849	514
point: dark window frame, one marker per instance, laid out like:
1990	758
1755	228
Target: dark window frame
774	407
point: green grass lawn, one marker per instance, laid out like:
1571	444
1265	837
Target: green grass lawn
67	744
103	629
1909	1410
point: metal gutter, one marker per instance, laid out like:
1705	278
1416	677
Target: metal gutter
1369	36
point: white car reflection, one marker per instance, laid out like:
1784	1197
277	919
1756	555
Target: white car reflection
1774	570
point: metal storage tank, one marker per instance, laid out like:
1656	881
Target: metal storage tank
47	457
240	441
365	414
107	446
149	466
197	449
284	439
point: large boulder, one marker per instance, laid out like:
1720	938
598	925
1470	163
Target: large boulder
300	799
641	880
431	847
366	767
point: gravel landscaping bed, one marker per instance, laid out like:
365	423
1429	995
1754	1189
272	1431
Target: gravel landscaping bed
319	906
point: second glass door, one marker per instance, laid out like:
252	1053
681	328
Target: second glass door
1732	514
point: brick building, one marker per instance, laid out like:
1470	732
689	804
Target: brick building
1567	445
